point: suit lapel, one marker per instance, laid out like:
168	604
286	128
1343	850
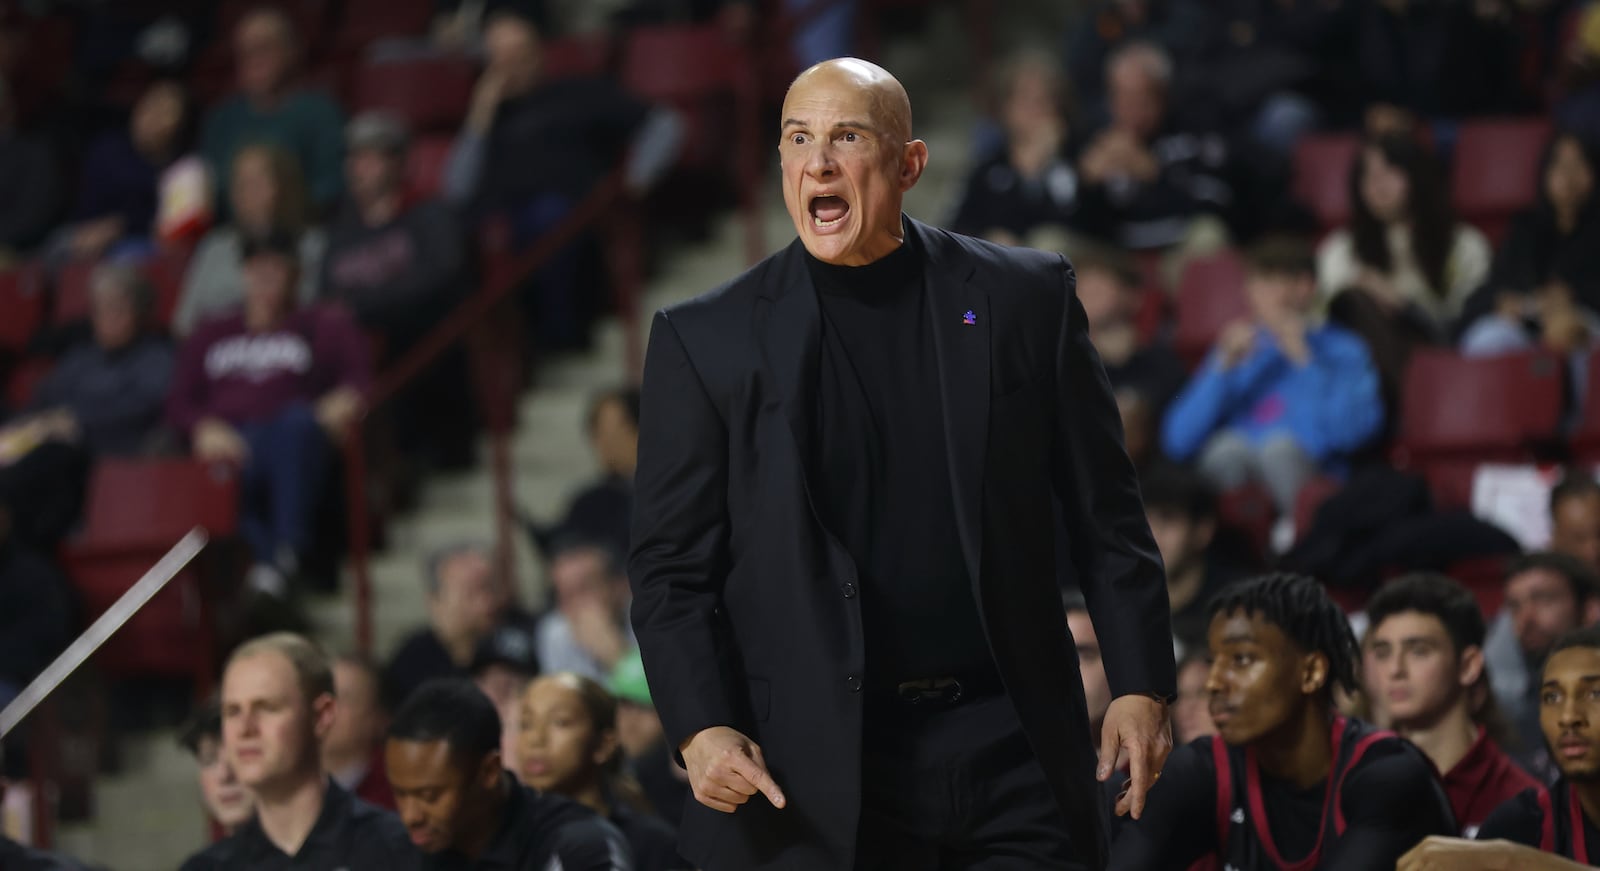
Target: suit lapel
959	311
789	326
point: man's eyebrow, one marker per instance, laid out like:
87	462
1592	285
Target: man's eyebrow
848	124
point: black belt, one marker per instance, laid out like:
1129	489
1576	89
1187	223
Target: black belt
940	692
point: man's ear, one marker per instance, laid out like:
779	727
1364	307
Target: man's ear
323	710
1591	611
1313	673
912	162
490	770
1470	669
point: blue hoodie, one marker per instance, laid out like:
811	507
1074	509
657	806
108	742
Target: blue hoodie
1330	406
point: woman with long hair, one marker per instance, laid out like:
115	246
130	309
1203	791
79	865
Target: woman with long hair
268	198
568	745
1402	270
1545	285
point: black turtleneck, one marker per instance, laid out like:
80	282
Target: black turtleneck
884	471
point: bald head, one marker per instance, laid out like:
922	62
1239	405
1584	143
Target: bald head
885	97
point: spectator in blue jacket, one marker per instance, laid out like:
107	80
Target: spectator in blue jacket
1281	397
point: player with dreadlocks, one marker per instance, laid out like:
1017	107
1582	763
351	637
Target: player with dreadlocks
1287	783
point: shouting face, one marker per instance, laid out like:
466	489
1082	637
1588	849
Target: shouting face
847	160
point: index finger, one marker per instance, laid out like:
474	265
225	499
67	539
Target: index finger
756	773
1138	773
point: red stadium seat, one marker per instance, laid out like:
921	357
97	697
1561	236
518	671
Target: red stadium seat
136	511
367	21
1306	504
574	57
24	381
687	68
426	163
1210	296
429	94
21	306
1322	164
1458	412
71	292
1496	169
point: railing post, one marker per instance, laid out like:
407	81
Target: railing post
355	485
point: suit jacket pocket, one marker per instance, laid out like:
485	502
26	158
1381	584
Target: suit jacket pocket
760	698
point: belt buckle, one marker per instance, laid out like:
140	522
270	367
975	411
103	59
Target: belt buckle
915	692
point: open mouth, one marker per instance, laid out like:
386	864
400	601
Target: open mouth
828	211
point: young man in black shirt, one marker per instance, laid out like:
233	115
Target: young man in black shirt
1539	829
277	706
465	811
1342	796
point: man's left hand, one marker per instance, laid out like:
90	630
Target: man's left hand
1456	854
1136	736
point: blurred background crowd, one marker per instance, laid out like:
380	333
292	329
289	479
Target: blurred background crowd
276	269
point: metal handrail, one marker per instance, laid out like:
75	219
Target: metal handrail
120	612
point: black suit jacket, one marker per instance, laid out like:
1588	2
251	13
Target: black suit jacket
741	603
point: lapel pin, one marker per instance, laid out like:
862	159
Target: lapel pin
969	318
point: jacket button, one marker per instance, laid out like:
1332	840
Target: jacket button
849	591
854	683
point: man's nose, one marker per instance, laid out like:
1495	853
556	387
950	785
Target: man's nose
819	163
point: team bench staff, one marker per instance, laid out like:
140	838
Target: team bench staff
844	540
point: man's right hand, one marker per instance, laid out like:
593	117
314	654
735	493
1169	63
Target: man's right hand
726	769
216	441
1235	343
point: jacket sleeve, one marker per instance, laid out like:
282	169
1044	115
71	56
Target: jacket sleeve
1112	551
1351	411
678	561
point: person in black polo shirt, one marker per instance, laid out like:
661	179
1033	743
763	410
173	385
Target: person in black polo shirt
463	810
1540	829
1287	782
277	705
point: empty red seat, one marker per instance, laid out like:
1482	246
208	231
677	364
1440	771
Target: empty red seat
1248	511
367	21
429	94
21	306
1210	296
698	71
1478	408
137	510
1322	164
71	285
1496	169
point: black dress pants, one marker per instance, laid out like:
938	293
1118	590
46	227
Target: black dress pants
955	788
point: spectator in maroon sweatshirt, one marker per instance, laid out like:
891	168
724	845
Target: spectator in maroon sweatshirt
267	387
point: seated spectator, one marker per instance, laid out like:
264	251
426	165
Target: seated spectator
1538	825
1191	710
1422	660
1100	30
1575	517
588	632
104	398
1547	595
119	190
1091	665
445	741
1283	761
1433	60
37	612
1400	273
465	603
1545	285
271	108
352	751
29	189
1281	397
1109	289
645	751
531	149
268	200
228	805
1182	508
1160	186
401	265
270	388
502	668
277	705
603	510
1030	184
568	746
